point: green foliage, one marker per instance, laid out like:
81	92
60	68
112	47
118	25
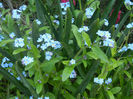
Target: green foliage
82	63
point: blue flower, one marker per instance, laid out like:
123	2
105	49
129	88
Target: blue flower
19	42
128	2
1	5
73	74
22	8
124	48
98	80
108	81
89	12
130	46
1	38
16	14
48	55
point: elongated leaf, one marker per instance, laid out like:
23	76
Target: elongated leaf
95	26
77	35
35	33
116	10
26	83
35	51
13	80
41	11
17	51
86	38
108	9
121	24
100	54
115	90
111	96
88	77
4	42
66	72
68	26
79	19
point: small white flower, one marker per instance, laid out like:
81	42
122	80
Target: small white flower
130	46
130	25
85	28
128	2
46	97
38	22
22	8
80	30
72	61
1	5
106	23
12	35
16	14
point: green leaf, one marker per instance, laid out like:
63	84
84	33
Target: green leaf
111	96
94	27
86	38
42	11
4	42
79	19
128	74
13	80
121	23
88	77
35	32
68	23
100	54
108	9
115	90
29	66
66	72
17	51
35	51
48	66
77	35
39	88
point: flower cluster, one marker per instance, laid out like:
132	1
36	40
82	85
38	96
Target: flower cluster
101	81
128	2
64	6
130	25
84	28
89	12
4	63
73	74
106	38
19	42
12	35
124	48
27	60
48	42
16	14
48	55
